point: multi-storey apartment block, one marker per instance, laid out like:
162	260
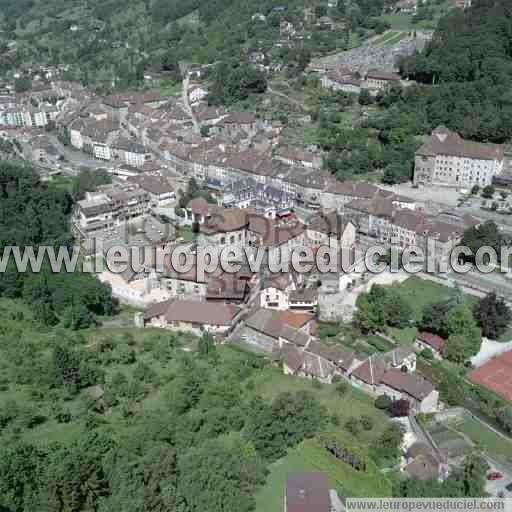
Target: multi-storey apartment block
447	159
108	208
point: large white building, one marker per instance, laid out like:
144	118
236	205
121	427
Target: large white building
447	159
109	208
28	117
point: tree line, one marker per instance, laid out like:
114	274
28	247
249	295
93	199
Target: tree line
454	319
35	214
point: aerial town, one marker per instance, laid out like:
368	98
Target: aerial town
328	385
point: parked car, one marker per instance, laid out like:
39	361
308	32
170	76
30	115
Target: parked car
494	475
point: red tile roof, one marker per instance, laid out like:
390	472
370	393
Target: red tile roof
199	206
410	383
293	358
297	320
432	340
307	492
445	142
206	313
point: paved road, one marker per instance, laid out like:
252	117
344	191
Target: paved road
422	437
76	157
485	283
188	108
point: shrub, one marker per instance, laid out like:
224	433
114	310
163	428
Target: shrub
352	425
427	354
366	422
341	387
124	354
399	408
383	402
316	384
488	192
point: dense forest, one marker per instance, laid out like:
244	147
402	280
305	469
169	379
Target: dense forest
203	445
117	419
34	214
470	62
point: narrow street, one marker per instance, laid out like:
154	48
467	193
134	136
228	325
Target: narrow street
186	104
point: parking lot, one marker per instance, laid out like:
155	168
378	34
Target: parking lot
436	199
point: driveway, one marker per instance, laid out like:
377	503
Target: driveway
188	108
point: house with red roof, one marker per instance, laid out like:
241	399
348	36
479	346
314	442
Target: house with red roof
430	341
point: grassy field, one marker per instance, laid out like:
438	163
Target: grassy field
310	456
397	37
389	38
398	21
169	89
492	443
420	293
404	336
272	381
378	41
405	21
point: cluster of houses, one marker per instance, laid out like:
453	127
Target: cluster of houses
39	106
343	78
274	314
253	216
290	337
112	206
397	221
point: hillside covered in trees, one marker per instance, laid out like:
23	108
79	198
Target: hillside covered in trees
463	80
34	214
118	43
470	63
